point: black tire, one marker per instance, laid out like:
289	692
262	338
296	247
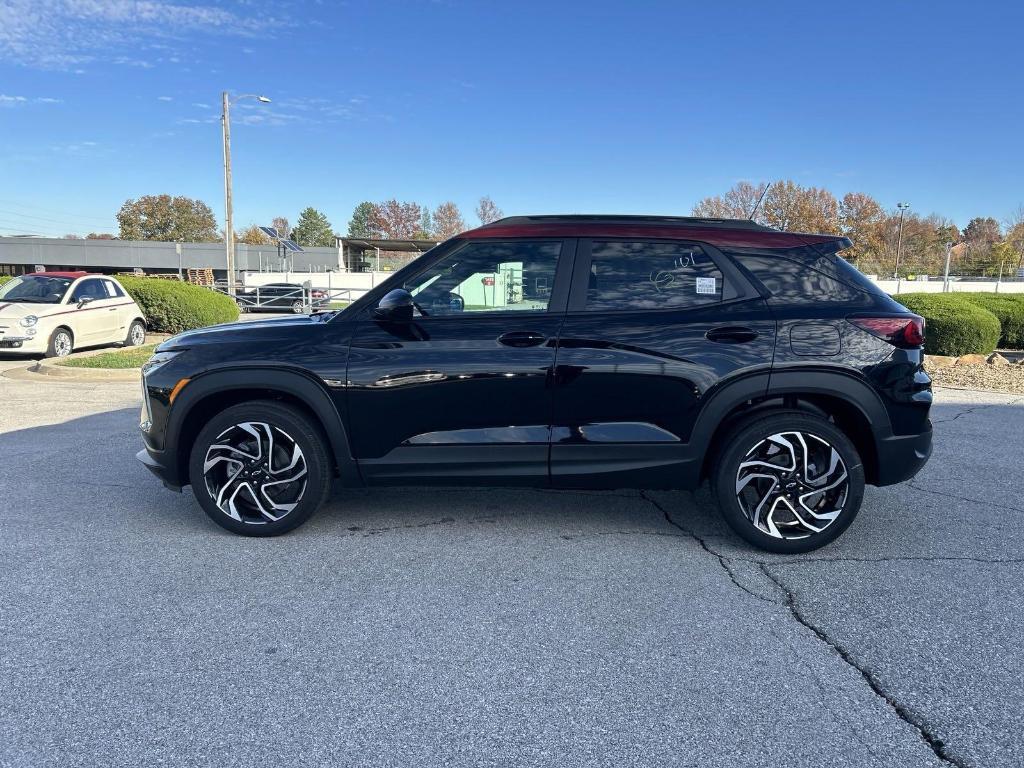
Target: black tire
62	343
281	419
298	307
132	339
752	441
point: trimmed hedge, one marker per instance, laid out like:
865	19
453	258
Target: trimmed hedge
4	279
1009	309
171	306
954	325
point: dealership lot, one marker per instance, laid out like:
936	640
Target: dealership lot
483	627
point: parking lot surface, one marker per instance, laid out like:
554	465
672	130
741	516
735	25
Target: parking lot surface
489	627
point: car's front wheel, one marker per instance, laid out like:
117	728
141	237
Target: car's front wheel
788	481
62	343
298	307
260	468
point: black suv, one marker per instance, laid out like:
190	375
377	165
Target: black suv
564	352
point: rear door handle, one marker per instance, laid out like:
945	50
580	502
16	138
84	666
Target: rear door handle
522	339
731	334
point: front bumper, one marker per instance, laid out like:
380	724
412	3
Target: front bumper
900	457
151	461
20	344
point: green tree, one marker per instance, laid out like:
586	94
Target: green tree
168	219
362	222
313	229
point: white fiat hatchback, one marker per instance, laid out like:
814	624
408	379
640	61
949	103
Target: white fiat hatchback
54	313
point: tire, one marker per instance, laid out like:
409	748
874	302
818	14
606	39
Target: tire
242	432
136	334
298	307
62	343
781	509
243	307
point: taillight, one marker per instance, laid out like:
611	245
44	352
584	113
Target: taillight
905	332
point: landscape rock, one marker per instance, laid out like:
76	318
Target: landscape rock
996	359
971	360
935	362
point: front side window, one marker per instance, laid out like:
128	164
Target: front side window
89	289
647	275
33	289
488	277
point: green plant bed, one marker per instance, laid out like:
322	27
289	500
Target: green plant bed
1008	309
171	306
4	279
953	325
129	357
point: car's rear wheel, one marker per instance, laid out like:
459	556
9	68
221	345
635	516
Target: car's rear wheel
788	482
298	307
136	334
260	468
62	343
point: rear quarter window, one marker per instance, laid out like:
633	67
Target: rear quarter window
791	281
650	275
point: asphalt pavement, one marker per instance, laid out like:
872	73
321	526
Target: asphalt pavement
459	627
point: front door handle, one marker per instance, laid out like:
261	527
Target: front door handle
522	339
731	334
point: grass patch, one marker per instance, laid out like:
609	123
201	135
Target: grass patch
339	304
129	357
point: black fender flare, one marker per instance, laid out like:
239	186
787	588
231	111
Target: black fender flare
296	383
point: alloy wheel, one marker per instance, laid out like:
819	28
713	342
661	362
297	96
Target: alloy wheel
255	472
62	344
138	335
792	485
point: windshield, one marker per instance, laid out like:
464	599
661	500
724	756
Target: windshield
35	289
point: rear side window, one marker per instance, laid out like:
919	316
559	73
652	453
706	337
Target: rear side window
793	282
113	289
648	275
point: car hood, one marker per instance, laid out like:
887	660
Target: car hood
244	331
15	310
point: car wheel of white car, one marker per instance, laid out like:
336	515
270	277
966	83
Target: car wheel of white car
136	335
61	343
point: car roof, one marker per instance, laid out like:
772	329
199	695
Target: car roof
737	233
72	275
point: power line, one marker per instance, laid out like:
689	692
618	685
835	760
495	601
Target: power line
66	214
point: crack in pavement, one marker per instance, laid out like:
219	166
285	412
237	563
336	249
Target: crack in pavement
979	407
937	746
912	484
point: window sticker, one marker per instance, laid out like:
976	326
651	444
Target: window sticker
707	285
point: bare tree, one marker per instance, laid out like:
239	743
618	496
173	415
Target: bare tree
280	223
487	211
737	203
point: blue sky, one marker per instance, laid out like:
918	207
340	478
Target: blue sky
546	107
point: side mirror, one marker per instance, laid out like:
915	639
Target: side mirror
84	300
396	307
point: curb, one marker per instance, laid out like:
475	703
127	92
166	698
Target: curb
84	374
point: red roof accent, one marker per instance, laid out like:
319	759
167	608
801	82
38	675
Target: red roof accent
73	275
737	238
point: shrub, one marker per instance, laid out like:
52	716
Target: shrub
4	279
1009	309
954	325
171	306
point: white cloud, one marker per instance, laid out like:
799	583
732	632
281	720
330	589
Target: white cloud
65	34
165	98
17	101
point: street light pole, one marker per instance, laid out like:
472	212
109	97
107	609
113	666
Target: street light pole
899	241
229	223
229	218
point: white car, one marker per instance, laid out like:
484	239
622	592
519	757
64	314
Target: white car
54	313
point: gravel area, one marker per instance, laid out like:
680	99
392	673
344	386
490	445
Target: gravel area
1000	378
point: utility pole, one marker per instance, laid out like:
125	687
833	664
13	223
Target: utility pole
229	218
229	223
899	241
945	276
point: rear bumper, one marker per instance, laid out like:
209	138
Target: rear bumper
900	457
153	464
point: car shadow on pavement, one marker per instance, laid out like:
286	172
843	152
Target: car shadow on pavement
86	467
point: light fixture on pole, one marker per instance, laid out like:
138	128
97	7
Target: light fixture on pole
229	223
899	241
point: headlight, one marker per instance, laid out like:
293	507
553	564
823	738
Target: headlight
29	321
158	360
